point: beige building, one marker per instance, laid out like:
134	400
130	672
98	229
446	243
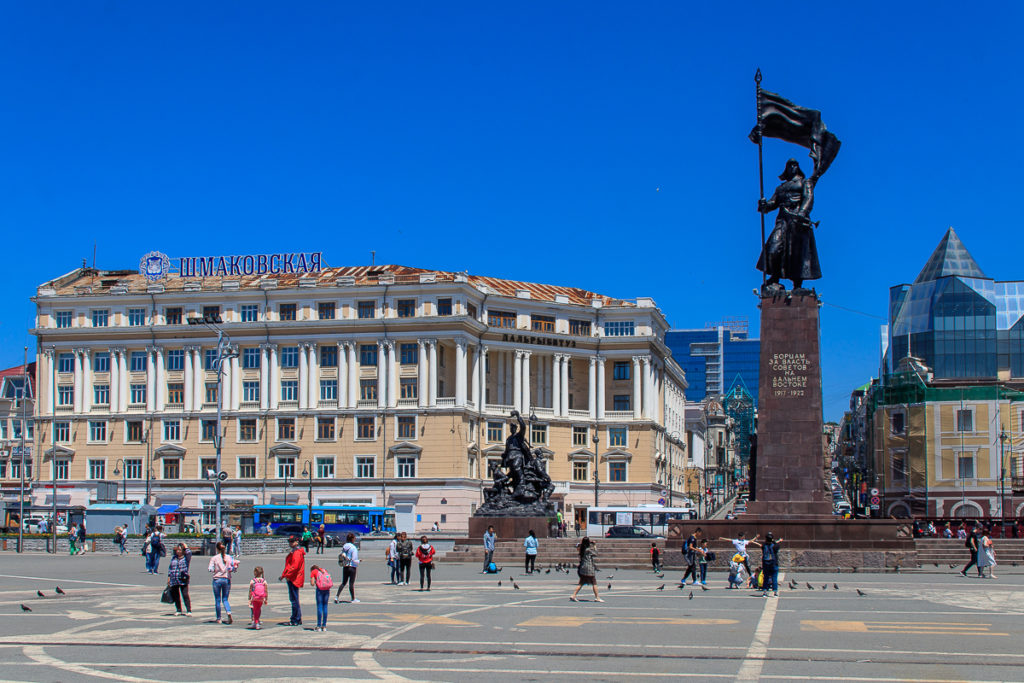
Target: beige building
367	385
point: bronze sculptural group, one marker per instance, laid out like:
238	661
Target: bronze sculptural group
520	486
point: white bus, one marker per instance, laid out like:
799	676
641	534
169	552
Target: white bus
652	518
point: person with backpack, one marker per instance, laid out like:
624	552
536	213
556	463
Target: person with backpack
295	573
770	565
222	566
323	583
690	555
178	579
404	558
425	554
349	561
259	595
156	550
121	536
489	539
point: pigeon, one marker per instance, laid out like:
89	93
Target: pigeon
689	598
952	566
1013	564
547	571
609	586
703	587
662	576
825	587
661	587
839	570
40	594
499	584
26	608
935	564
515	585
854	570
897	570
60	591
861	593
611	577
836	586
810	587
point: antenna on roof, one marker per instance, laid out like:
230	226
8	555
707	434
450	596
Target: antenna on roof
94	255
373	258
85	262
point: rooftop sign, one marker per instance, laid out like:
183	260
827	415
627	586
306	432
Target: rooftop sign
156	265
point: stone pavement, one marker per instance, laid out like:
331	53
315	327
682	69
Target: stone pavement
111	626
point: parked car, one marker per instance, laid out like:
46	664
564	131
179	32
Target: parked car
629	532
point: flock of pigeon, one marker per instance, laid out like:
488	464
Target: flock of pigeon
41	594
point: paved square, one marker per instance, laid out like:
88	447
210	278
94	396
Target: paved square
110	625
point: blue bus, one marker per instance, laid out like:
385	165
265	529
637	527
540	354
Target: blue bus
337	519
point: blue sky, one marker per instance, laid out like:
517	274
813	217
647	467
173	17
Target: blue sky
601	145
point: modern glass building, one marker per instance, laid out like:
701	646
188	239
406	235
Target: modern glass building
961	323
716	359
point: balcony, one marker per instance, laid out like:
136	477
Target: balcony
1018	485
445	401
288	405
327	403
499	408
583	414
618	415
408	402
366	403
249	405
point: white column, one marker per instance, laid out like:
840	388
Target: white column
150	380
382	389
556	384
460	372
314	377
86	380
392	375
474	389
648	388
342	376
482	350
564	402
189	377
422	391
115	382
122	394
517	382
600	388
527	400
638	396
275	378
77	401
236	382
433	372
592	388
303	378
499	376
264	377
199	378
161	380
353	376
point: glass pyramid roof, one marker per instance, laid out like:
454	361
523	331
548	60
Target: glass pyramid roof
950	258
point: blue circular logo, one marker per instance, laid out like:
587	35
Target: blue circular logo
155	266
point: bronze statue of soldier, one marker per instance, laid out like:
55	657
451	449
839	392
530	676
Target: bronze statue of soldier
790	252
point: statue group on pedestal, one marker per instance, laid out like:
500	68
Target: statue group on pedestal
520	486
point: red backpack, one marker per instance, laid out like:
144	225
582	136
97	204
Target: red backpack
259	590
323	580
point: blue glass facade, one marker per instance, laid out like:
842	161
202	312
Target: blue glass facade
715	360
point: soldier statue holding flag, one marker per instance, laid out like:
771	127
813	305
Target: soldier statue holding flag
790	252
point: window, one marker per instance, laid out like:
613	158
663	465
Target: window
251	358
101	394
367	390
65	362
406	426
138	361
101	362
619	328
580	328
366	428
405	466
208	430
172	316
3	428
365	467
61	431
539	434
328	356
289	356
328	390
495	431
210	395
175	393
617	471
97	469
965	420
61	471
409	354
406	308
133	431
98	431
65	395
286	429
965	466
290	390
285	467
207	467
247	468
896	422
286	311
137	394
617	436
579	470
136	316
251	391
407	387
249	313
172	468
172	430
579	435
325	428
542	323
211	312
133	468
63	318
620	402
366	309
210	359
501	319
899	468
101	318
471	310
246	430
16	469
325	310
325	468
367	354
620	370
444	306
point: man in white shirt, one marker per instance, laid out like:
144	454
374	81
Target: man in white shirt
740	543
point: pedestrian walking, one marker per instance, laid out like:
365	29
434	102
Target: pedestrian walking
586	569
156	550
690	555
321	539
323	583
259	595
531	545
425	554
770	565
295	574
405	554
307	538
740	544
349	561
971	543
121	537
73	540
704	555
82	544
227	536
222	566
178	579
236	541
986	554
489	539
655	558
391	556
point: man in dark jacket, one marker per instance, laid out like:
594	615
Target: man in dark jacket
972	545
690	555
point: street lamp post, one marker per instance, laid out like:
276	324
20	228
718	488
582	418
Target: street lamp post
123	471
597	478
307	471
1002	478
672	438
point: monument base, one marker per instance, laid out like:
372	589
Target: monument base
509	527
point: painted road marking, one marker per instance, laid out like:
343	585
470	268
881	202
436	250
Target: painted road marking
907	627
753	662
378	618
583	620
59	581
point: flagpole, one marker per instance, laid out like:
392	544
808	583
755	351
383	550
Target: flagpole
760	174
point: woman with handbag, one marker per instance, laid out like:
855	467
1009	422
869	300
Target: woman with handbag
587	569
178	579
425	554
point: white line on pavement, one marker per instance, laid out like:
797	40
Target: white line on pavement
754	660
96	583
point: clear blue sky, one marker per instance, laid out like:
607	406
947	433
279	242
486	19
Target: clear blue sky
527	140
